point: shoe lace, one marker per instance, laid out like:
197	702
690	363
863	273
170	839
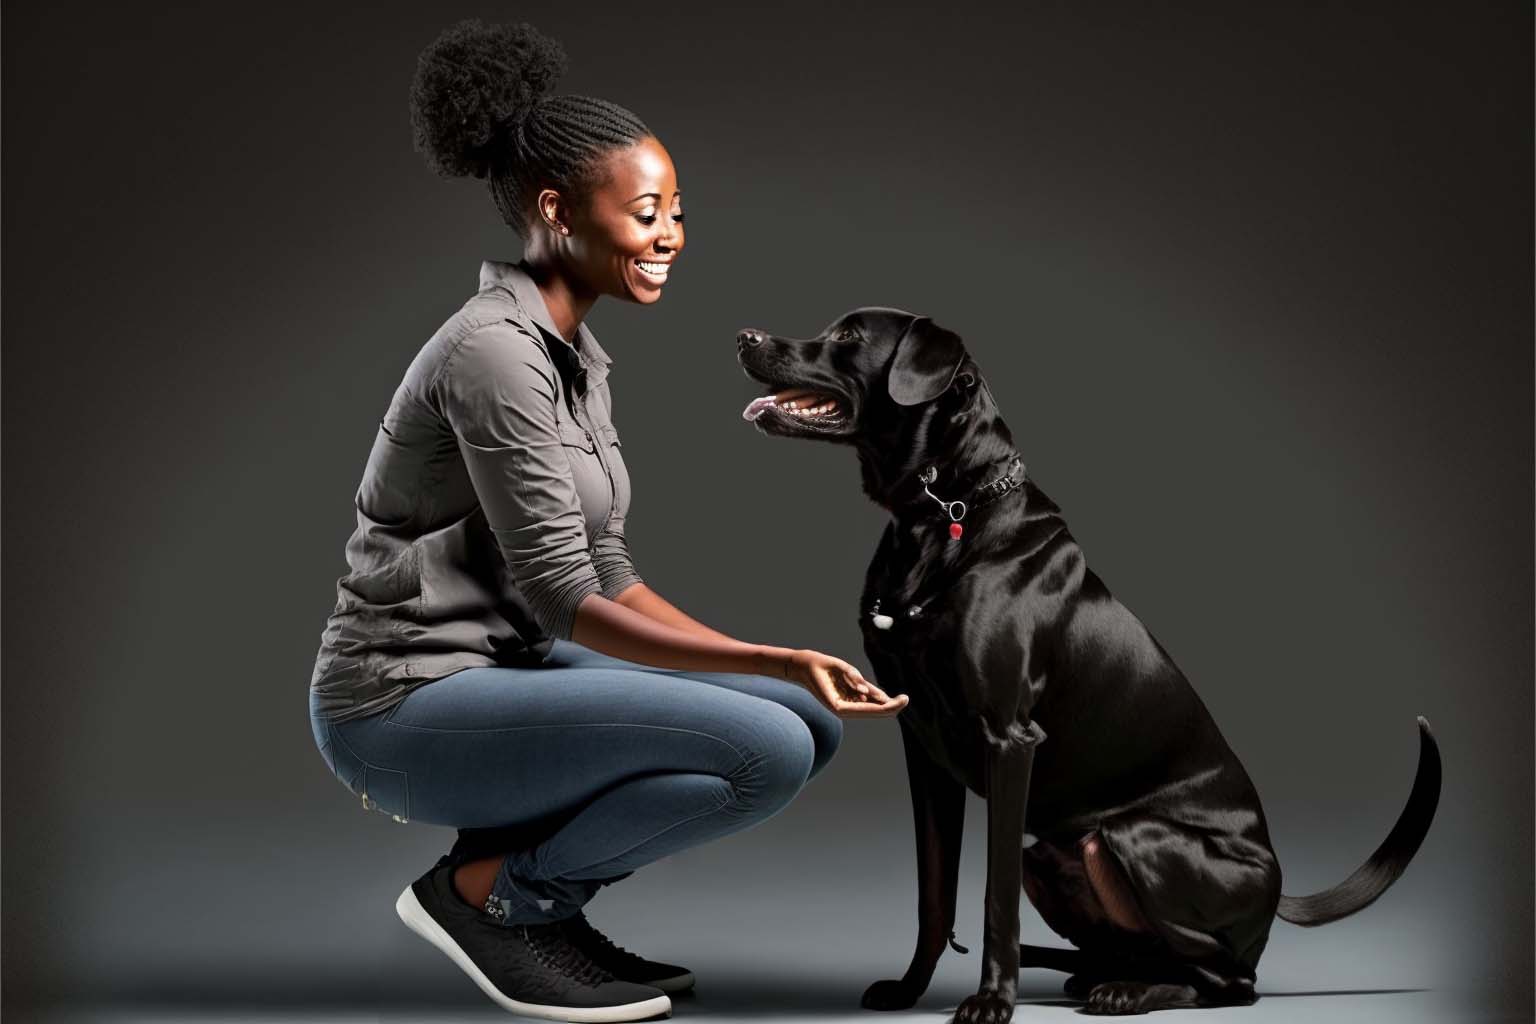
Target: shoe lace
556	953
595	944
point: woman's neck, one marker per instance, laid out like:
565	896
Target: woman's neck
566	301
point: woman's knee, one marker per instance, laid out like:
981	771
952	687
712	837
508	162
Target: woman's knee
826	728
777	752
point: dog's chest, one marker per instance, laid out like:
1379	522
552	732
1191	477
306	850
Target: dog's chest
918	662
915	628
908	609
913	637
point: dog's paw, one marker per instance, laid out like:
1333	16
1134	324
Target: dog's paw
890	994
1125	997
984	1008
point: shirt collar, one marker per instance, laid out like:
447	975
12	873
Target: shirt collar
514	278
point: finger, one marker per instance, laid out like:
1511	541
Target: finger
856	680
846	668
869	688
848	681
872	710
849	708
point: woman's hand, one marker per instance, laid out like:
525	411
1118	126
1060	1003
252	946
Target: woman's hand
840	686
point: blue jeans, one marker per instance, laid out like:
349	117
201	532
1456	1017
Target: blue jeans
580	770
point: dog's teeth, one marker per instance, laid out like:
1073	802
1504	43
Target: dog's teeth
801	407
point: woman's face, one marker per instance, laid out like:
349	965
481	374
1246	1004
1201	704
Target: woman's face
624	238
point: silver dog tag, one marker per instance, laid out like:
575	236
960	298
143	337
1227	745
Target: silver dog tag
880	621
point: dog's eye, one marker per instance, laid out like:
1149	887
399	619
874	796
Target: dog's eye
845	334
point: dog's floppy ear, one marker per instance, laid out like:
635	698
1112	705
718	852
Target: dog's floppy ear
927	357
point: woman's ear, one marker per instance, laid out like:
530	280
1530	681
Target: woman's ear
554	212
927	357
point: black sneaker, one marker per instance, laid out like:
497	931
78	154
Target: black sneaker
528	969
620	962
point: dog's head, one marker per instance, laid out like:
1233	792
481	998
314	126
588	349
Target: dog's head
895	385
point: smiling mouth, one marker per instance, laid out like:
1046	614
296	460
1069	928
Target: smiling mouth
805	405
653	271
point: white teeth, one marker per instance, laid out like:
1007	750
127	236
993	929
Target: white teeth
793	406
658	269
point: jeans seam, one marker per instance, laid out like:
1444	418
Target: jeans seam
669	828
332	739
405	777
336	734
336	739
747	766
572	725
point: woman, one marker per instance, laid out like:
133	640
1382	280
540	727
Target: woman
494	661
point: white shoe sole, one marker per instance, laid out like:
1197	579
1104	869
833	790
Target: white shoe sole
422	923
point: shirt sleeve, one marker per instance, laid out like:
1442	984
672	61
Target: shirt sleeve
498	394
610	551
610	555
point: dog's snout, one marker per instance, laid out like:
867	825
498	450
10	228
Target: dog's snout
750	338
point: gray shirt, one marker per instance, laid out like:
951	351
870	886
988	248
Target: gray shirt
492	502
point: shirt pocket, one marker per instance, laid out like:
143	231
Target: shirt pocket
614	451
587	473
574	435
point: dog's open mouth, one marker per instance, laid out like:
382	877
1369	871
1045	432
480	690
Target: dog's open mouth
815	408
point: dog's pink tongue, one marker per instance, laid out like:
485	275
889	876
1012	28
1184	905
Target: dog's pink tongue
756	407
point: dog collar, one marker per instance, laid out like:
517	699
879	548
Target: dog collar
986	492
956	510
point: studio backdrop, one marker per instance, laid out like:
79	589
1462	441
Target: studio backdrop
1251	284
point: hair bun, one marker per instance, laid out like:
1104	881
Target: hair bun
474	84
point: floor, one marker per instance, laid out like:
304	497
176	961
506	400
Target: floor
806	1002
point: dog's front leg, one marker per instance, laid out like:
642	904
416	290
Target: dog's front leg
1010	757
938	819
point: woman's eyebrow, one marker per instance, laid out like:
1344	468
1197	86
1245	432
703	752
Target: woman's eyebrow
644	195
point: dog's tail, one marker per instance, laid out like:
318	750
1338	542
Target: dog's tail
1383	867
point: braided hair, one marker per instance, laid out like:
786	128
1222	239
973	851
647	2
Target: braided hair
480	107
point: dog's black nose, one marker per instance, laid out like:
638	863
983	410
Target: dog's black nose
750	338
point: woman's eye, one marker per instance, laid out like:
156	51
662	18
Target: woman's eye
646	218
678	217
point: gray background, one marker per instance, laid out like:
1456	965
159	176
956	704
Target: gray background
1252	284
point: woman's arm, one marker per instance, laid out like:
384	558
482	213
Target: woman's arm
615	628
647	602
499	396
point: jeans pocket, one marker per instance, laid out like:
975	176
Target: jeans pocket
381	789
321	730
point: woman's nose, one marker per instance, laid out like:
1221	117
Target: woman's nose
750	338
671	236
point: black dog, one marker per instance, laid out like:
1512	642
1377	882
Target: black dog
1150	850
